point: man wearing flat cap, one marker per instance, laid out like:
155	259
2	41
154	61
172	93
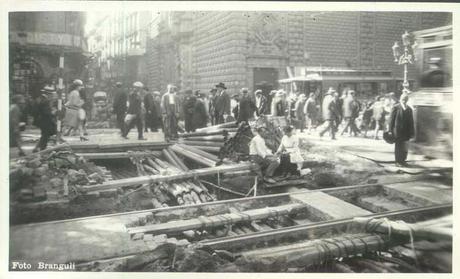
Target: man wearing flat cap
134	112
170	109
222	103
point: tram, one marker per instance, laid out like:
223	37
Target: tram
432	100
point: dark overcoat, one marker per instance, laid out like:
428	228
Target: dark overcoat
402	123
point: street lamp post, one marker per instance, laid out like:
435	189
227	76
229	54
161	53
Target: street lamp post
404	58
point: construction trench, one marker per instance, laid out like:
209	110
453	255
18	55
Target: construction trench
194	205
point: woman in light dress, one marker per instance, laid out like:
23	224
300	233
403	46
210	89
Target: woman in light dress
75	115
289	146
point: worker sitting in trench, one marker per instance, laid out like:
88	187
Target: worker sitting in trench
263	157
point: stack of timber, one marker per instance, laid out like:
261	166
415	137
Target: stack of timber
210	139
182	192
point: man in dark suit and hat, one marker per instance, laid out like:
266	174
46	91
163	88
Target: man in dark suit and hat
119	105
44	118
330	113
134	112
222	103
401	128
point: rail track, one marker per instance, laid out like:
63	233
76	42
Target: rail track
236	225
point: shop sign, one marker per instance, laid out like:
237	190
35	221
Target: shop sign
45	39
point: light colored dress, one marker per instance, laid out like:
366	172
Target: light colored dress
74	112
291	146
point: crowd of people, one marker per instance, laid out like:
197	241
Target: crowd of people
138	106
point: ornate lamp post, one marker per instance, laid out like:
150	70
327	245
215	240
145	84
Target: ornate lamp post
404	58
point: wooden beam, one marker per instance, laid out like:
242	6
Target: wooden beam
193	156
178	160
198	151
218	127
165	178
207	143
207	148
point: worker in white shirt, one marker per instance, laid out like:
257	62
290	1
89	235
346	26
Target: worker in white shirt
290	146
261	155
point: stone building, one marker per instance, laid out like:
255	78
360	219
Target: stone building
118	40
37	40
256	49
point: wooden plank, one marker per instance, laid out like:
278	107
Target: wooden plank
164	178
217	220
326	206
423	192
178	160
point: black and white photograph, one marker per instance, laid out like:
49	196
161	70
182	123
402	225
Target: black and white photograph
229	139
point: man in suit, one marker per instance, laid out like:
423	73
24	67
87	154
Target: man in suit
311	111
350	111
245	108
188	106
119	105
212	106
402	128
134	112
299	115
330	113
222	103
200	115
170	109
261	103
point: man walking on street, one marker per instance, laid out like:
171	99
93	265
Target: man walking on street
330	113
402	128
311	111
350	113
134	113
299	114
119	105
170	109
222	104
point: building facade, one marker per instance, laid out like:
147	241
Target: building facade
118	40
256	49
37	40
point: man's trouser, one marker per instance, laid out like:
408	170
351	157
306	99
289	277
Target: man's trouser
400	151
350	124
329	126
130	122
170	126
269	165
120	121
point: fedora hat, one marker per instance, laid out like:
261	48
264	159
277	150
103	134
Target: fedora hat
258	91
221	85
330	91
388	138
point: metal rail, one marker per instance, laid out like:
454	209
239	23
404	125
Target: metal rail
305	230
